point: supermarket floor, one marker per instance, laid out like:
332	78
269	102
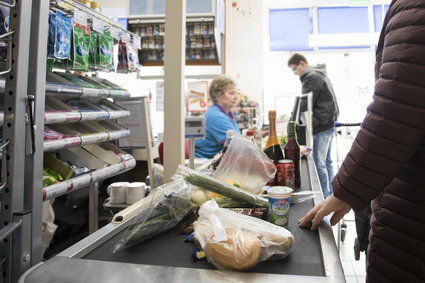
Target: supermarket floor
355	271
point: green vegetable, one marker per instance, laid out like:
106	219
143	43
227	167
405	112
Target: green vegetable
226	202
217	186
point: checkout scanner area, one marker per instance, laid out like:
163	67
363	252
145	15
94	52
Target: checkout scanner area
166	258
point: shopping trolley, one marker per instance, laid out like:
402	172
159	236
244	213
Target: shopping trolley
345	133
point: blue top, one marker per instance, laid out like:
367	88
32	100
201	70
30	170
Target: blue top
217	122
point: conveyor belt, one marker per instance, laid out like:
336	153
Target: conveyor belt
169	249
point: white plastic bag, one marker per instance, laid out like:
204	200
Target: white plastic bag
236	241
245	165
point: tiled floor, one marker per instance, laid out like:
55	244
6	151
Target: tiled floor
355	271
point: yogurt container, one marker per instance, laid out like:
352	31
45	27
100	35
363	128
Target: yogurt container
279	203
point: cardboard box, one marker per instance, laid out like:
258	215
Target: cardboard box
58	165
107	156
81	157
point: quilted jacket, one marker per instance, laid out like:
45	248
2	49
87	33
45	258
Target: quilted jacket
386	164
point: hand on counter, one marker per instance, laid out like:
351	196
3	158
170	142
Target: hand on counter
329	205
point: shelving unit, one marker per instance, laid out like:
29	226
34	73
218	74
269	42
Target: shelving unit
203	40
23	117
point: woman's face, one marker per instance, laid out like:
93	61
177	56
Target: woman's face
228	99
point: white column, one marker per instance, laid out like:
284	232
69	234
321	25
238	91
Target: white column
174	62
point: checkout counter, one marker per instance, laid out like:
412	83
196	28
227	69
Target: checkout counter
167	258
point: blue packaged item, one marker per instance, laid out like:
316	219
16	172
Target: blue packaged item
190	237
63	36
198	254
52	35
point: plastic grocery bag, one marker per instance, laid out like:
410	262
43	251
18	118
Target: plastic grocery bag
237	242
160	211
245	165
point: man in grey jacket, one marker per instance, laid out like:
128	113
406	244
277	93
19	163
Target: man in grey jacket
325	113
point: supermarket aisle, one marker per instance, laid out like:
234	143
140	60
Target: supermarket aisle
355	271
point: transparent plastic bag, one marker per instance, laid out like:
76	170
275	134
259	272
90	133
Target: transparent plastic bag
245	165
161	210
237	242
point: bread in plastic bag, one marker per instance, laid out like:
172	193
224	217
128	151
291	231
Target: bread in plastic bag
237	242
161	210
245	165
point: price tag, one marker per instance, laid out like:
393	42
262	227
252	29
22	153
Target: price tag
80	17
98	25
126	38
137	42
115	32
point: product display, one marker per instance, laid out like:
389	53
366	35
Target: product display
200	43
273	149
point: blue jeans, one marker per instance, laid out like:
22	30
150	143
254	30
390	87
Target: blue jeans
322	144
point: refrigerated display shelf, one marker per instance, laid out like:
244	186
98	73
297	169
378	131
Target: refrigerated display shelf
58	144
85	180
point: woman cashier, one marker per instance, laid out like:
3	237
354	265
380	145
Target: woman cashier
218	118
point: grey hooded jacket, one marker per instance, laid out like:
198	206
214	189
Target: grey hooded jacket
325	107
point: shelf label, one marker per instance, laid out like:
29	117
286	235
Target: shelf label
115	32
80	17
98	25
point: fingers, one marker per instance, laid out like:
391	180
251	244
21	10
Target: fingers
303	222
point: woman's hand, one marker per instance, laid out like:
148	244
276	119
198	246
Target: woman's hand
329	205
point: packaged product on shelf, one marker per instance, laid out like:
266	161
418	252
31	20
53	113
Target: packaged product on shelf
196	29
143	31
75	79
145	43
204	29
192	54
133	58
63	36
155	30
106	50
212	42
161	29
50	134
151	43
80	105
158	42
199	42
52	35
93	49
149	30
198	54
211	28
122	66
81	41
206	42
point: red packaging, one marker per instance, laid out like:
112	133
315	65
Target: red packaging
285	173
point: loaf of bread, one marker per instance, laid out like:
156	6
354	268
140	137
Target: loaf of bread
240	251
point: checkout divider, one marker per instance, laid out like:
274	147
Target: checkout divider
166	258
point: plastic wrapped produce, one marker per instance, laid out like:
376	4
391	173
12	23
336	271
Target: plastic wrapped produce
237	242
161	210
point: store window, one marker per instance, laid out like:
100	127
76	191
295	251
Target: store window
157	7
289	29
379	12
342	20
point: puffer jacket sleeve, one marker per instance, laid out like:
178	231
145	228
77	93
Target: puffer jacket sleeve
395	123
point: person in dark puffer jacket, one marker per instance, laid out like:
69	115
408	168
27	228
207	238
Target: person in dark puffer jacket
386	163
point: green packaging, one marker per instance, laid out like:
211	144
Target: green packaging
105	51
81	42
93	50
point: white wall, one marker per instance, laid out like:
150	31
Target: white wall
244	47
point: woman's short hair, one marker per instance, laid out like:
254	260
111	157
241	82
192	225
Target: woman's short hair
219	86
